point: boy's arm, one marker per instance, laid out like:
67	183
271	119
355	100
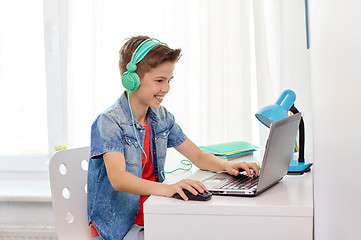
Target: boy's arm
207	161
122	180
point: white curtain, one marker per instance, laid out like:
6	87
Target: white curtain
282	57
237	56
211	93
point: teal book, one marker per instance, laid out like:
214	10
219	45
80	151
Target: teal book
229	148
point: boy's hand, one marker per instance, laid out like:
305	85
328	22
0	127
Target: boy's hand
234	168
193	186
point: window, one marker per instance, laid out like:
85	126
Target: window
82	39
51	90
23	128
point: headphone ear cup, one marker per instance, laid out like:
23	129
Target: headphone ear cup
130	81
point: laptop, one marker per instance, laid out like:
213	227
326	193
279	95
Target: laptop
276	160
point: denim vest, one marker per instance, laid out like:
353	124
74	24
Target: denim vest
113	212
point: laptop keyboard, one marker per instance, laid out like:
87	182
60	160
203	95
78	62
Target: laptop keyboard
240	182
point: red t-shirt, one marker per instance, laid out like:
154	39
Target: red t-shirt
148	174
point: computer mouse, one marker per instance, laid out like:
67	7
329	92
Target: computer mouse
205	196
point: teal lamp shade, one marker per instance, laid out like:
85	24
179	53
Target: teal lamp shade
277	111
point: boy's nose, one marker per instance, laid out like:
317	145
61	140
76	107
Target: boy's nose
165	88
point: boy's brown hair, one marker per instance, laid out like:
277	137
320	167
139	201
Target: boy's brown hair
157	55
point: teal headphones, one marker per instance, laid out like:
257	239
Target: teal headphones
130	78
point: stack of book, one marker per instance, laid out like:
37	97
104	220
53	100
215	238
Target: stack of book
230	150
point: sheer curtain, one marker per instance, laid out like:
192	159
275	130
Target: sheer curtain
282	57
212	90
237	56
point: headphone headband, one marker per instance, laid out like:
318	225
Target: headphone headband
144	48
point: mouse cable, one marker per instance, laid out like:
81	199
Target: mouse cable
185	162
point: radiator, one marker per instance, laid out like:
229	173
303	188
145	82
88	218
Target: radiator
11	233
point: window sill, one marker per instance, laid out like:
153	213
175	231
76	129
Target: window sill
25	187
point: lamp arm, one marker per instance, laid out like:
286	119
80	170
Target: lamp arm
301	137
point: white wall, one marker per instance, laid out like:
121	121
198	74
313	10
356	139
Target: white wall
336	83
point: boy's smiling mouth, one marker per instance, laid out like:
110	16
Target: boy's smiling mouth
159	98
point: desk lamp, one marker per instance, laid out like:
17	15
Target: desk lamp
280	110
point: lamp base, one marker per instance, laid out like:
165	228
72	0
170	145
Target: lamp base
298	168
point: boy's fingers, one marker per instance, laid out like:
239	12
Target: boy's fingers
196	187
248	166
235	172
255	168
248	171
183	195
244	166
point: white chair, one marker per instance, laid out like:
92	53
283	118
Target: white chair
68	178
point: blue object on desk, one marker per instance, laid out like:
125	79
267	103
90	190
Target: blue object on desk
279	110
297	167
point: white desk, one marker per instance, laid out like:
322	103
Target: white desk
284	211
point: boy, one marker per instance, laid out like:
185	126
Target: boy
129	142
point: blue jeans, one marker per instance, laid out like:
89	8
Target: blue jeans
136	232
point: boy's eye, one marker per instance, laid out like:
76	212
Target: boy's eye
163	80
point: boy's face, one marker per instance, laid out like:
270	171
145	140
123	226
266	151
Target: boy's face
155	85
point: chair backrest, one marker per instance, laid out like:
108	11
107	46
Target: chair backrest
68	178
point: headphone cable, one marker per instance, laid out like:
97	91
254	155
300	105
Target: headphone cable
135	132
